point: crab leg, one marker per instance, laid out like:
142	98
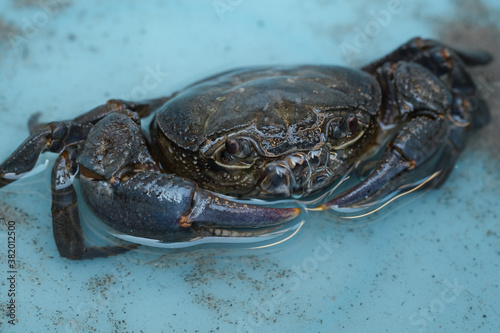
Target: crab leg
416	47
449	65
66	226
51	137
142	109
55	136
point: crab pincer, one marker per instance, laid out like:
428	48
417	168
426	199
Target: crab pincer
169	208
409	156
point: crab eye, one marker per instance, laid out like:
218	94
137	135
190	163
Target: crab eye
234	154
238	147
343	127
345	131
232	146
352	123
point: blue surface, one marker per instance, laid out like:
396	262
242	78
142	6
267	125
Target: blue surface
431	265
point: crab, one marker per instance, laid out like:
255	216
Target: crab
266	132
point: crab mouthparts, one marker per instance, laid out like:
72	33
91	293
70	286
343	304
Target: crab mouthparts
277	181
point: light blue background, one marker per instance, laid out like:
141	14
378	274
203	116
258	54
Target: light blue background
431	265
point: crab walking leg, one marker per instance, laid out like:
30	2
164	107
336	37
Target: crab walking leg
415	47
143	109
51	137
66	226
407	154
54	136
451	66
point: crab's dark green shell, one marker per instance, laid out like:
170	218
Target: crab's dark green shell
283	109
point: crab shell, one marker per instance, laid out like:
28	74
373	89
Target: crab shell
285	117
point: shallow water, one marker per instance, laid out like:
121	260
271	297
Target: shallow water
430	263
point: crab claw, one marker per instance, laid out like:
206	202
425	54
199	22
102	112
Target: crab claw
406	160
122	185
171	209
210	209
382	181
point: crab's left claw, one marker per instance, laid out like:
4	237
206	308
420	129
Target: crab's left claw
211	210
123	186
408	158
168	208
